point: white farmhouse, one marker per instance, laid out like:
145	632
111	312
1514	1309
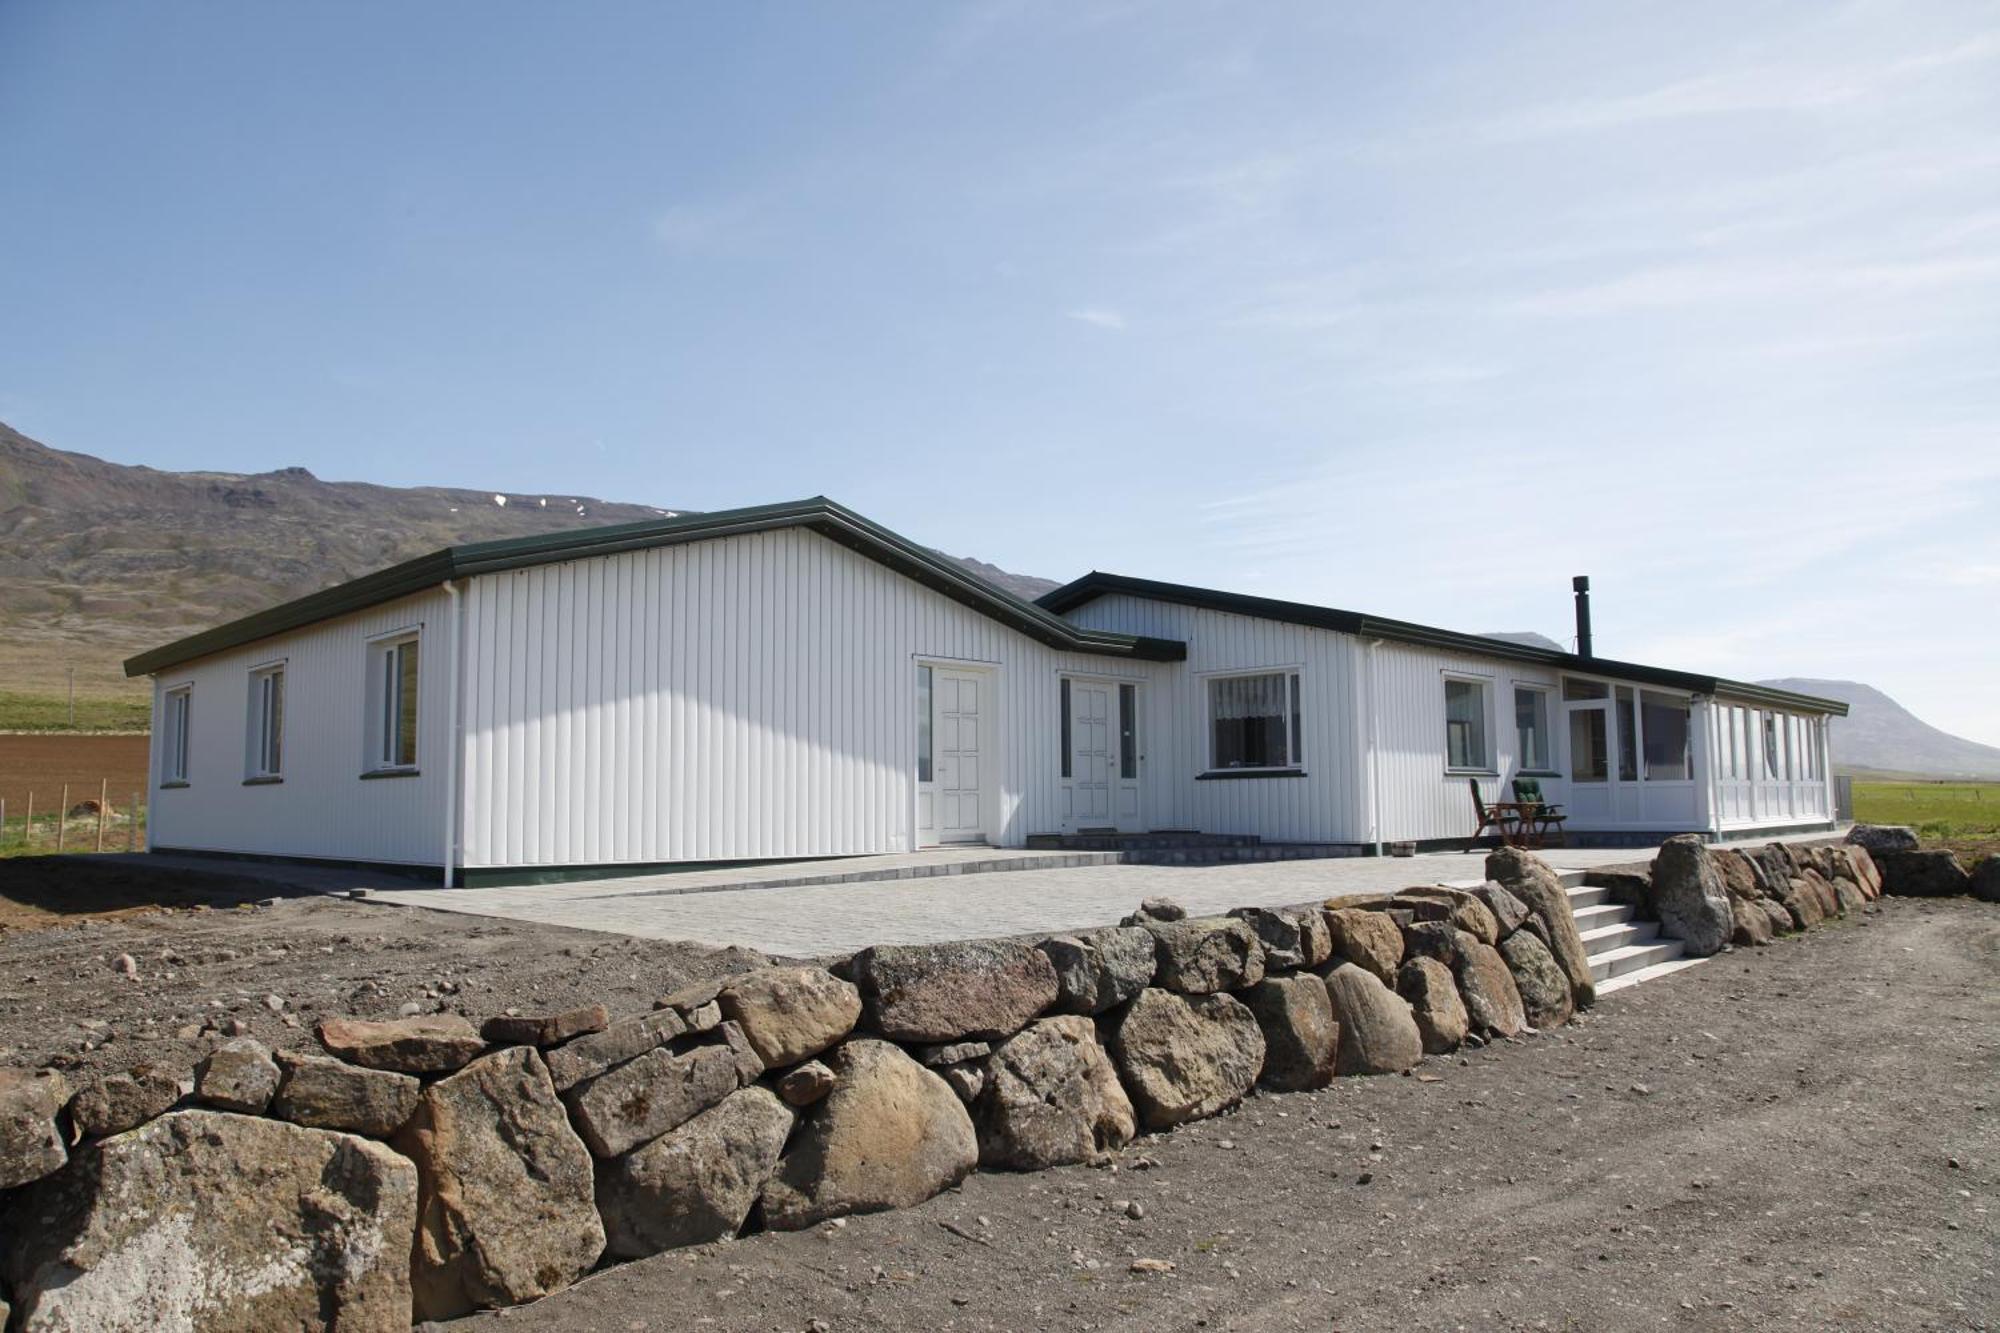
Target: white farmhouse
794	681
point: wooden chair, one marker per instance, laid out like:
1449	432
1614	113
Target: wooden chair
1540	816
1502	822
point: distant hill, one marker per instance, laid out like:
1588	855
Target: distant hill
1881	735
99	560
1525	636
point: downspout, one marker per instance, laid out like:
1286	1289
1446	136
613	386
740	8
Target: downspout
453	733
1374	753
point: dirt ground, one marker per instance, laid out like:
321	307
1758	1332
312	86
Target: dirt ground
41	764
1799	1137
205	952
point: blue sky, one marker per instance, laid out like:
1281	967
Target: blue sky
1410	310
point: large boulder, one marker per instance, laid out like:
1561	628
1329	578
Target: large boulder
696	1183
1184	1057
1492	998
1984	881
1749	925
1922	874
1777	914
323	1093
1301	1040
114	1103
1378	1033
1100	969
1804	903
644	1098
945	992
1862	865
1291	937
1689	896
1543	986
593	1054
506	1208
1434	939
1739	880
31	1143
890	1135
204	1220
238	1075
1878	838
427	1044
1530	879
1203	955
1371	940
790	1014
1509	912
1464	909
546	1029
1432	993
1050	1097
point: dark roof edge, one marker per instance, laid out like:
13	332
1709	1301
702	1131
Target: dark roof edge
820	514
1097	584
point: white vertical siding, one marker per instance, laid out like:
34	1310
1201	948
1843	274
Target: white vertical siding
740	698
323	808
1326	805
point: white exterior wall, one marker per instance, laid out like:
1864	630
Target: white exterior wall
739	698
323	807
1326	805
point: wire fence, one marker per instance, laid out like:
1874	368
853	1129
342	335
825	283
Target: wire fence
72	817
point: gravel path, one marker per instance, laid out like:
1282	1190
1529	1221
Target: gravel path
1764	1142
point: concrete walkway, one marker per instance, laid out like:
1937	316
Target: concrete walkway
816	920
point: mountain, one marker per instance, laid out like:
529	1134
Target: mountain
1525	636
99	560
1880	734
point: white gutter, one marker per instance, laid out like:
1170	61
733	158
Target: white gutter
453	733
1374	773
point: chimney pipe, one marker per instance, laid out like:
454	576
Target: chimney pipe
1581	583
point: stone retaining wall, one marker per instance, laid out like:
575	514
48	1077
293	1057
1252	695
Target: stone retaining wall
424	1168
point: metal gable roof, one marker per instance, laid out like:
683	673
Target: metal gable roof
818	514
1095	584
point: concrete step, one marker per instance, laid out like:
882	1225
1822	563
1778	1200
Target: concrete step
1653	973
1617	934
1588	895
1600	914
1630	958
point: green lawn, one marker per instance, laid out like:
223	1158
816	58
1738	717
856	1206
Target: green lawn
1964	816
50	712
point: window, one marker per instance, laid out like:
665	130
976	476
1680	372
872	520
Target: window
1587	745
1128	731
1531	725
1628	737
267	722
1465	724
923	724
394	698
1582	691
1068	762
1774	760
1254	721
1664	721
174	744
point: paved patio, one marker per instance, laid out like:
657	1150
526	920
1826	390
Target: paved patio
823	908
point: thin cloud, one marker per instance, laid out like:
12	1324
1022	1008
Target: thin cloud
1097	317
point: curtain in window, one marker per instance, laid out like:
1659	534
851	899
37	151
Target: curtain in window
1248	714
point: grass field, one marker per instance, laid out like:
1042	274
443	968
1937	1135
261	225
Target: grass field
1964	816
51	712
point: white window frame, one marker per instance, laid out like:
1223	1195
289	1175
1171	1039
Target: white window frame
1294	720
1487	767
264	724
384	704
1547	768
177	706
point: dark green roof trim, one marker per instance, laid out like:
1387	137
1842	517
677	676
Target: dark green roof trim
1094	585
819	514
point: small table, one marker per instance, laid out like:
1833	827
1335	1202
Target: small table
1529	821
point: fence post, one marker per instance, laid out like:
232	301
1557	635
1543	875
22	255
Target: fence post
28	832
62	820
103	802
132	824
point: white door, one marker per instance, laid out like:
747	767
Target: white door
957	701
1591	785
1092	757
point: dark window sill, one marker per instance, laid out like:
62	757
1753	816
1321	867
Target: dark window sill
1536	773
266	780
1472	773
1224	774
172	786
374	773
